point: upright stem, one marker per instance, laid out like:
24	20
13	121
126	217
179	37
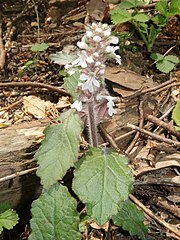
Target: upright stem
92	128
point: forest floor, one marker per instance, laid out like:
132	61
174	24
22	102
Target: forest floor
146	98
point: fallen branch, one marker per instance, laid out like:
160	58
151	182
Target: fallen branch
162	124
34	85
154	136
17	174
168	226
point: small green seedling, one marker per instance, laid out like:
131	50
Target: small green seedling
8	217
37	48
164	63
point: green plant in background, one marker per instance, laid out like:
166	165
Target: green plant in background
8	217
176	115
147	26
102	179
37	48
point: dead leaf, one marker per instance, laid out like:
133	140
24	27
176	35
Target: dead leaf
63	102
96	9
105	226
36	107
126	82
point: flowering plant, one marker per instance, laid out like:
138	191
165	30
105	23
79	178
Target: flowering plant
93	99
101	179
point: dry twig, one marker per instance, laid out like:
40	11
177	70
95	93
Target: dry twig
34	85
168	226
154	136
163	124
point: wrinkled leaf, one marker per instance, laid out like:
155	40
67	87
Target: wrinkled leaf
54	216
8	217
176	114
62	58
141	17
70	85
131	219
103	182
60	149
39	47
120	16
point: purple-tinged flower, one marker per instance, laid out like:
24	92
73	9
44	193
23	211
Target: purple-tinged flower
77	105
91	81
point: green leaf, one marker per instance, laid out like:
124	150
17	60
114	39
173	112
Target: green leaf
60	148
174	8
131	219
157	56
159	20
176	114
39	47
161	6
165	66
153	34
8	217
62	58
120	16
29	63
127	4
4	206
71	83
141	17
54	216
103	182
172	59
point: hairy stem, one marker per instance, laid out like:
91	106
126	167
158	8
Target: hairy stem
92	128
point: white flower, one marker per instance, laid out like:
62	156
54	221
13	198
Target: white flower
83	59
99	30
89	33
107	32
97	38
114	40
91	81
110	103
82	45
77	105
70	69
111	50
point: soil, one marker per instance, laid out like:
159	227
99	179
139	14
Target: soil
145	100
